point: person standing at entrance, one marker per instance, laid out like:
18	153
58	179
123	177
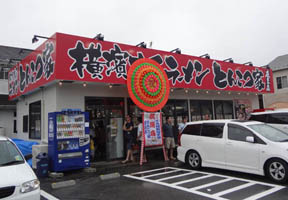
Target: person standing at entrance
140	139
127	128
182	124
169	137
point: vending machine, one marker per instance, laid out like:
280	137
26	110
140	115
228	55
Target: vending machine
68	140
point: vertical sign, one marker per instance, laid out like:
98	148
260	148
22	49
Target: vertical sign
152	129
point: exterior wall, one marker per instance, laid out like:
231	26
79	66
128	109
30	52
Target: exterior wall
280	95
72	95
6	116
4	86
7	122
47	96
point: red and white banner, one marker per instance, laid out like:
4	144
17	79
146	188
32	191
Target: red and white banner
152	129
73	58
37	69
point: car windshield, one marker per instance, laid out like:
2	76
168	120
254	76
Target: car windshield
270	132
9	154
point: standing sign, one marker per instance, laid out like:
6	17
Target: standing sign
152	132
152	126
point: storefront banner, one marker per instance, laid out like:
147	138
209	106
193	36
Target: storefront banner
152	129
74	58
36	70
85	59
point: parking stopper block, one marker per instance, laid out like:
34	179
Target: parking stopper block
109	176
62	184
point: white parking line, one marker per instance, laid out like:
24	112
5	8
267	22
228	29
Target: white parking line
224	176
162	173
210	184
47	196
153	170
233	189
193	179
176	176
175	187
195	190
266	193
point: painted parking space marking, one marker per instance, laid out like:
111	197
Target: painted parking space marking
192	179
149	172
47	196
176	176
161	173
188	176
215	186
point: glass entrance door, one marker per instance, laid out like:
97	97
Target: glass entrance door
106	120
176	109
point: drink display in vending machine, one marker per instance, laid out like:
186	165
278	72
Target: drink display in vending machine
68	140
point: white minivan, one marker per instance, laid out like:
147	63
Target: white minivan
277	118
244	146
17	179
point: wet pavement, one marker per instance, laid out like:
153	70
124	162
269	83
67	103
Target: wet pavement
163	180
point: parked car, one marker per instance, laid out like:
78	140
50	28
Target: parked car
276	118
244	146
18	181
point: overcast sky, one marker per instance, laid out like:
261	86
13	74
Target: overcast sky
246	30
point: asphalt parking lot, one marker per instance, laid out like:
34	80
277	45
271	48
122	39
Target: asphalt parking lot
164	180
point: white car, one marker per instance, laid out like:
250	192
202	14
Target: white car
244	146
276	118
17	179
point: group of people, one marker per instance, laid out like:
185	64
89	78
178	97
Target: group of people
168	135
128	133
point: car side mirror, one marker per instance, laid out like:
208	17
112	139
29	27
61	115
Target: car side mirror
250	139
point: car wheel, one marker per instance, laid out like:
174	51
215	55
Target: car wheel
193	159
277	170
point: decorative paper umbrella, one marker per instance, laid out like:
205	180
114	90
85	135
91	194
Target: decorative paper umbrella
148	85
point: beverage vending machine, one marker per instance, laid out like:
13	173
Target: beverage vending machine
68	140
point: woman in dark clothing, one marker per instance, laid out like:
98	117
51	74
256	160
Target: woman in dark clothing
127	128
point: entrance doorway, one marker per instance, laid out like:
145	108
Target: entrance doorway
106	120
176	109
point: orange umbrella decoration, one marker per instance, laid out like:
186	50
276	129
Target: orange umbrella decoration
148	85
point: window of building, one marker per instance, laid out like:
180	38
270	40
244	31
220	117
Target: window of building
25	123
4	73
175	108
224	109
194	129
134	111
201	108
281	82
15	126
212	130
35	120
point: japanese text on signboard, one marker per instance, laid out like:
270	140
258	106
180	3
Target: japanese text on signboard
152	129
100	62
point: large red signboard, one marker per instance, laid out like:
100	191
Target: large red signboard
84	59
34	71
